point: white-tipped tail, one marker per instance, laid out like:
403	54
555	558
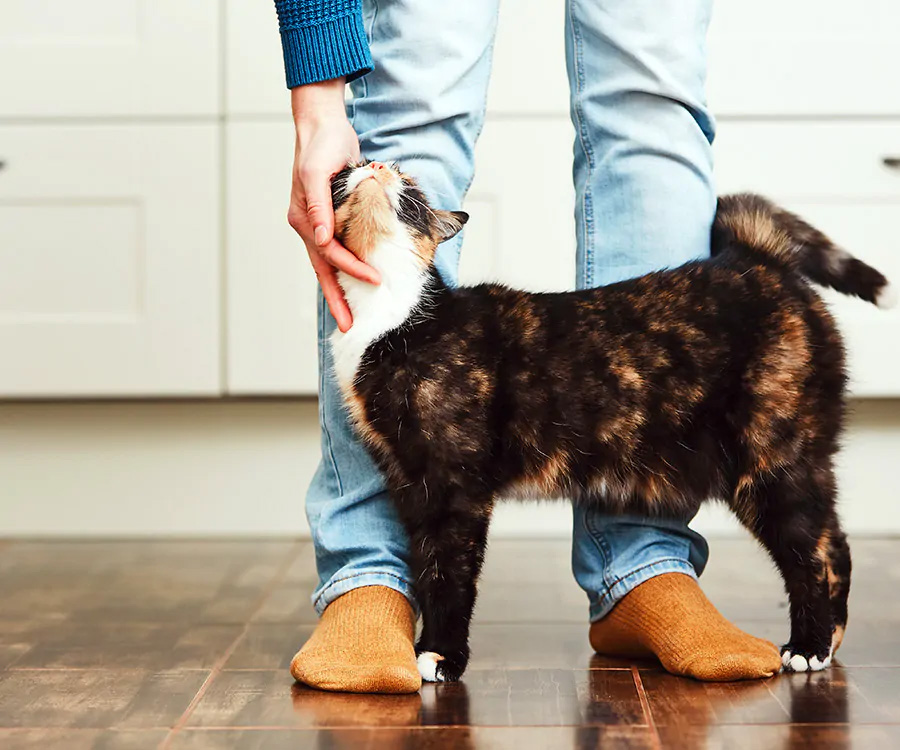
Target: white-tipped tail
887	297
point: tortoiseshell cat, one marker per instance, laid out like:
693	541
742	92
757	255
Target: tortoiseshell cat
723	378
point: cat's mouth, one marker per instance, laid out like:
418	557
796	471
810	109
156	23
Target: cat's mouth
366	207
375	171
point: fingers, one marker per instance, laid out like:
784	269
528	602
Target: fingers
342	259
332	291
316	184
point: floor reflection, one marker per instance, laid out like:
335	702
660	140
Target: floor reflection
789	712
390	717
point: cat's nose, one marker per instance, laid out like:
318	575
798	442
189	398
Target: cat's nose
376	165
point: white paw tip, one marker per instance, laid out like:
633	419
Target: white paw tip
815	665
798	663
427	663
886	297
786	659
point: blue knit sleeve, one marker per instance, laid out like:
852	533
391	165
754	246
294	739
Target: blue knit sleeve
322	39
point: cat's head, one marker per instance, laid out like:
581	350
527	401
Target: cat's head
376	205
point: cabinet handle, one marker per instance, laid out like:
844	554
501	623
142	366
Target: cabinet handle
891	162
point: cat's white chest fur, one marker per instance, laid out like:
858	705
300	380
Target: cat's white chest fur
380	308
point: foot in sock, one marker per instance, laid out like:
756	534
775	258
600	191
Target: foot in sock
362	644
670	617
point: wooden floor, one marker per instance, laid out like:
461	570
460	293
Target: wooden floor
186	645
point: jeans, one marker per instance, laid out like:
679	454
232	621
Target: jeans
644	200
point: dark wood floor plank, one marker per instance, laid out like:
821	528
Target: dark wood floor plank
80	739
679	701
438	738
178	581
865	695
487	698
95	699
494	646
104	645
117	645
779	737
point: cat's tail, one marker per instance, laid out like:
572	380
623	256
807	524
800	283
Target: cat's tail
752	223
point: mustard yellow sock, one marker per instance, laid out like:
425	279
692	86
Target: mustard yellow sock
362	644
670	617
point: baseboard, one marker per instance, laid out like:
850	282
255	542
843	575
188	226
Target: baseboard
241	469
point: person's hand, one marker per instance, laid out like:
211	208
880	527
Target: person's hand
325	143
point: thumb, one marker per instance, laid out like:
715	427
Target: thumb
319	209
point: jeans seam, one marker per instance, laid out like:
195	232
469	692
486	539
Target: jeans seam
363	80
483	111
584	140
323	374
490	53
599	541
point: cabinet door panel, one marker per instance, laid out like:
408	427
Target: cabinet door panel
834	175
271	286
521	231
109	57
109	254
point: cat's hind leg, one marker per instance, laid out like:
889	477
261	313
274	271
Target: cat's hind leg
792	514
838	567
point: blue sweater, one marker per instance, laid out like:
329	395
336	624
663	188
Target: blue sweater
322	39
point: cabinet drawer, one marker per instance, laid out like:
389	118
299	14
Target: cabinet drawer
109	57
833	174
271	318
804	57
109	254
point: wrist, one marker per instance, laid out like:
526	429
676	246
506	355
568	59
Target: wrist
320	102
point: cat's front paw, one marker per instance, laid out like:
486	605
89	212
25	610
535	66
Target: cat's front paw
797	659
436	668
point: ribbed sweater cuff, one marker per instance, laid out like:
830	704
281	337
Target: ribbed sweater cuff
333	49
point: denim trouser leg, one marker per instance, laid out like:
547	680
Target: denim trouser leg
423	106
644	200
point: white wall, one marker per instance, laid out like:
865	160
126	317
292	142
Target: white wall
242	467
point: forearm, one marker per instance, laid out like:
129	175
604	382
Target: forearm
322	40
315	103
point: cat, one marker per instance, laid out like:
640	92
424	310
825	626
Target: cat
722	378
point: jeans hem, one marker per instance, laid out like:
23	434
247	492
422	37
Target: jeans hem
339	586
627	583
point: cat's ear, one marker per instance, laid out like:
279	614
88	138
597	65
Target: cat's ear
449	223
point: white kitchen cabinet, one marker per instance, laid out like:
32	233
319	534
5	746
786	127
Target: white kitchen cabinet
833	174
529	70
95	58
271	318
109	260
521	229
804	57
254	70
